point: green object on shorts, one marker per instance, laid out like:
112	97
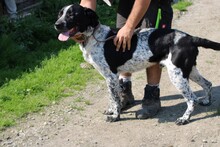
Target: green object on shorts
158	18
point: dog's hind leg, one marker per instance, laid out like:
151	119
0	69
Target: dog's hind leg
182	84
205	84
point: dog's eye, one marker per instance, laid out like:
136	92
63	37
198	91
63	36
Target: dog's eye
60	14
70	13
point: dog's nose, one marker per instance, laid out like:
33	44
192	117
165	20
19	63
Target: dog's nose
59	26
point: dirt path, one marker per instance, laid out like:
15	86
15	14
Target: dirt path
62	126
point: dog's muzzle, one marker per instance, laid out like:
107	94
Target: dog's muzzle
66	34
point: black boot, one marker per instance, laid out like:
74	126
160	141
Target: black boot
150	103
127	98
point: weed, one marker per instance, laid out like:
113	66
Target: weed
182	5
78	108
82	100
88	102
79	99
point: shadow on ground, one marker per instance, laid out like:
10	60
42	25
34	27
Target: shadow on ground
171	113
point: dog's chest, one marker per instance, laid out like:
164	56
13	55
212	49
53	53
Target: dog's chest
92	53
93	49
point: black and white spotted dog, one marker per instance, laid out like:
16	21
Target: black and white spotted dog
171	48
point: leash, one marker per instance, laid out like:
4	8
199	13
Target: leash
113	36
109	38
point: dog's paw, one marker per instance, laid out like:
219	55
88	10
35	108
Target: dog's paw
107	112
181	121
205	102
112	118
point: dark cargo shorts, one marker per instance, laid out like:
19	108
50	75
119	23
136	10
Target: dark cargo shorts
149	20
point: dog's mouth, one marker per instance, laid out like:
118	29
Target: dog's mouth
64	36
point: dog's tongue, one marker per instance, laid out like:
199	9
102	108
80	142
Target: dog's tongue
64	36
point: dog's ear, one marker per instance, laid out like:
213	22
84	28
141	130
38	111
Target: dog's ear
92	17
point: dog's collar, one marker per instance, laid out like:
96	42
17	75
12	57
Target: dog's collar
85	37
110	37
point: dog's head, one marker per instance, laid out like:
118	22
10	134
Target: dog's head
74	19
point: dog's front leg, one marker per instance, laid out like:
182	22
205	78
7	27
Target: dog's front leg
113	112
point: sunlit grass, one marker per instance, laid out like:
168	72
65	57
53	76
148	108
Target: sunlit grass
48	83
182	5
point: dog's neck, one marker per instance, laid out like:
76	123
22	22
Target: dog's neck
98	33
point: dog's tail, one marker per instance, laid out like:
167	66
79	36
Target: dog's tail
201	42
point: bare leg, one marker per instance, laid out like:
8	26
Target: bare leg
153	75
127	74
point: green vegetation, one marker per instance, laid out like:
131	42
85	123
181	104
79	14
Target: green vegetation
182	5
80	103
35	68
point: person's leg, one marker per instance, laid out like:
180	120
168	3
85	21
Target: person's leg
125	78
11	8
153	75
124	9
151	101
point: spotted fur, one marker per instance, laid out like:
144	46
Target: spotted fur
174	49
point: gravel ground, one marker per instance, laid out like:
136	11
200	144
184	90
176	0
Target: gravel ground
70	125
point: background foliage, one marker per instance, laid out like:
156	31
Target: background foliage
35	68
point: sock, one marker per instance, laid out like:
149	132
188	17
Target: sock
157	85
125	79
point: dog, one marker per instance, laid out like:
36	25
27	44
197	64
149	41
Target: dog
174	49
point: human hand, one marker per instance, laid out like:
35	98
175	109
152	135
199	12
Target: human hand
123	38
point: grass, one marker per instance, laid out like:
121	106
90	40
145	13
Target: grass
182	5
36	69
83	100
79	103
54	79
